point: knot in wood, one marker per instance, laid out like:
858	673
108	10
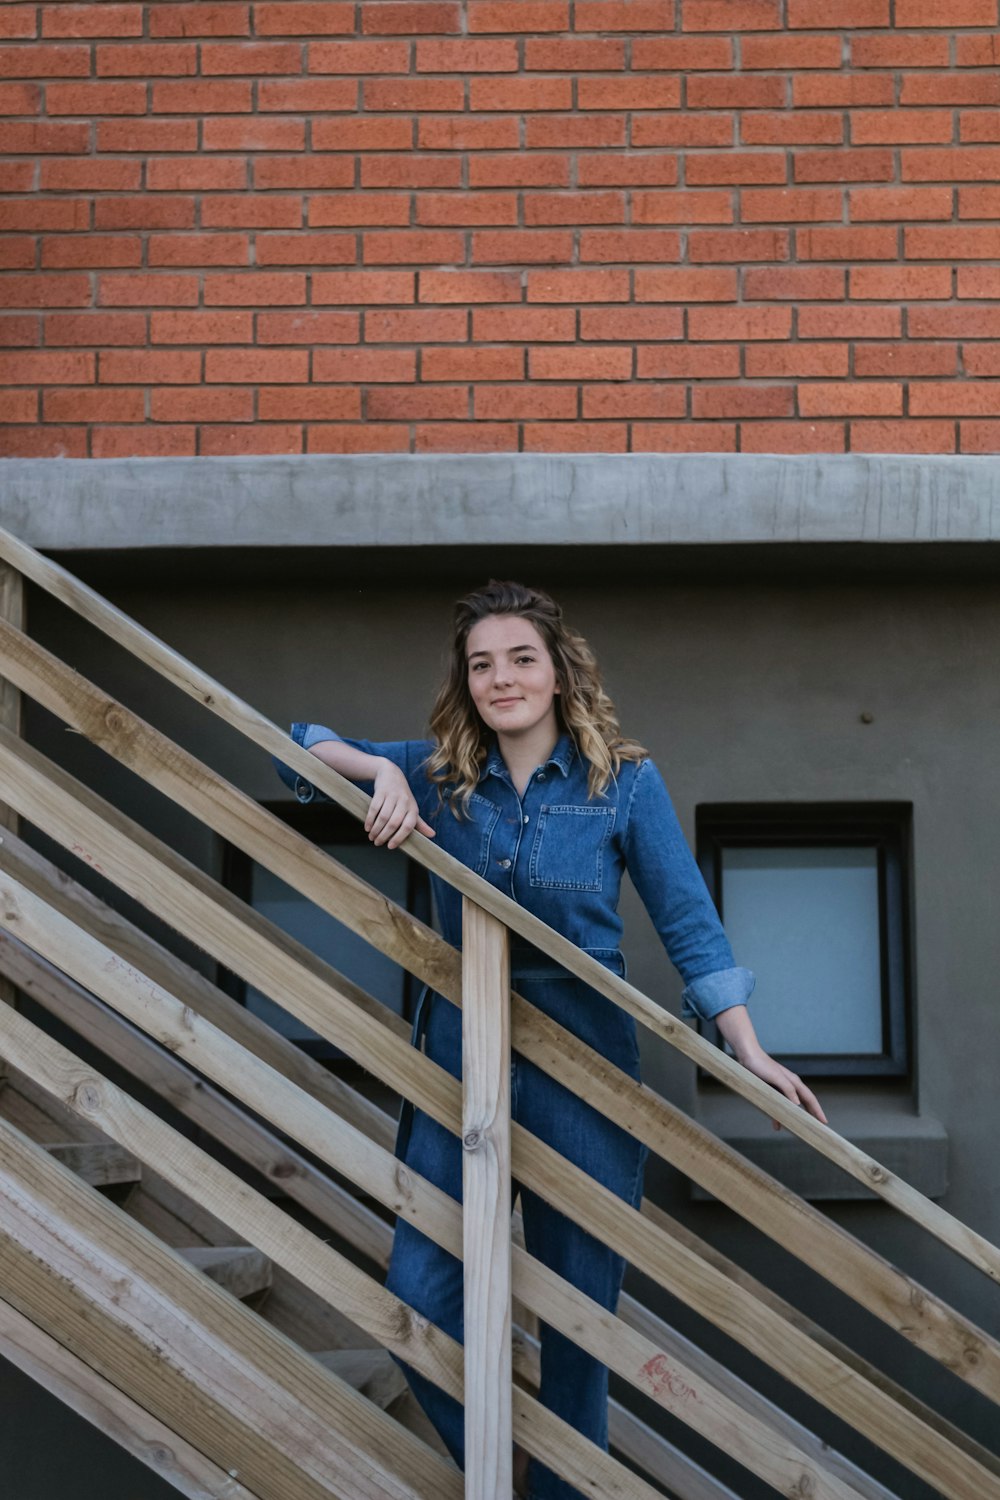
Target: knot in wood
87	1097
472	1139
113	719
877	1173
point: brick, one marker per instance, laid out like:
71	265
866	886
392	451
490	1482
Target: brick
105	329
574	208
977	51
902	437
687	285
146	135
979	125
308	403
303	20
20	406
574	54
680	207
524	324
445	94
408	403
95	99
199	250
201	328
72	290
143	213
726	91
303	172
17	252
624	401
34	137
469	286
606	362
575	437
253	134
362	287
848	242
215	441
791	361
90	20
955	398
256	366
741	401
419	18
898	51
365	366
682	130
460	133
726	323
522	16
519	170
738	245
979	282
411	247
904	359
302	327
256	58
304	96
871	127
684	437
683	54
36	442
410	172
251	211
520	95
474	363
480	437
969	164
900	203
144	60
964	242
830	90
202	96
687	362
47	213
356	209
958	13
973	203
850	15
466	56
201	403
903	283
851	398
44	62
794	283
47	367
630	245
150	367
950	88
622	92
363	437
792	437
624	15
254	289
92	405
21	98
521	246
19	21
171	174
979	437
736	167
860	164
572	131
731	15
418	325
639	323
795	129
850	322
144	289
100	250
143	442
467	208
578	286
359	57
790	52
789	205
199	18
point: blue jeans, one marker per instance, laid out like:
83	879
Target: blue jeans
573	1384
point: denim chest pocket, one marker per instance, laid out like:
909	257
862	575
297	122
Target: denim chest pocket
468	838
568	851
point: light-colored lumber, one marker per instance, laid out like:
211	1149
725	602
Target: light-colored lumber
118	730
72	814
99	1163
436	1214
373	1372
13	612
195	1357
60	1372
486	1199
241	1270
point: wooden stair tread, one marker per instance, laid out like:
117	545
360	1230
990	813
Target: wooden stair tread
101	1163
373	1372
240	1269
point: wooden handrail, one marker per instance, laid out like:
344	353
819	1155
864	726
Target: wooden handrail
198	684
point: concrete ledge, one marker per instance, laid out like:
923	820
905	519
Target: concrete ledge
629	500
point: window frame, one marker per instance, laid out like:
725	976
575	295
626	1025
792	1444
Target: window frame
885	826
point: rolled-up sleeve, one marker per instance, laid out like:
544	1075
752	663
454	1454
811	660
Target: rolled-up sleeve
671	887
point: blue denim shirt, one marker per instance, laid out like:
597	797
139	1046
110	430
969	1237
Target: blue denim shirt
561	855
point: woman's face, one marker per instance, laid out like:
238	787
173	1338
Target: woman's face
512	677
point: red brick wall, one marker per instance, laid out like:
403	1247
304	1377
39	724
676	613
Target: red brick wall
757	225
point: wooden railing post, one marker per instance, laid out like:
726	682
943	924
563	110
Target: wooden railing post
486	1189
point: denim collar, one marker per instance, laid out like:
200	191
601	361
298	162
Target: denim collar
562	758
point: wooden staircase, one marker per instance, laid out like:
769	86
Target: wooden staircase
250	1171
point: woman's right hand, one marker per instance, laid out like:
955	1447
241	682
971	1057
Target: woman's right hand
393	813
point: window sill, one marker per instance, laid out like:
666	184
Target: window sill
913	1146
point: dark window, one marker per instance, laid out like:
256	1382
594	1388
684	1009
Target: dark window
397	877
816	900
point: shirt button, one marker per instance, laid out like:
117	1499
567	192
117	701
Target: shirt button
541	775
526	818
505	864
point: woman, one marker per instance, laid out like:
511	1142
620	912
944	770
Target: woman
529	781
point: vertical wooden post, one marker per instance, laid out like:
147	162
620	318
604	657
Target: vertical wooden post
11	610
486	1188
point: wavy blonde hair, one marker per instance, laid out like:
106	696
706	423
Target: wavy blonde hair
582	706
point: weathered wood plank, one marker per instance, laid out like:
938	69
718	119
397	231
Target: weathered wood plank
60	1372
373	1372
99	1163
241	1270
486	1198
